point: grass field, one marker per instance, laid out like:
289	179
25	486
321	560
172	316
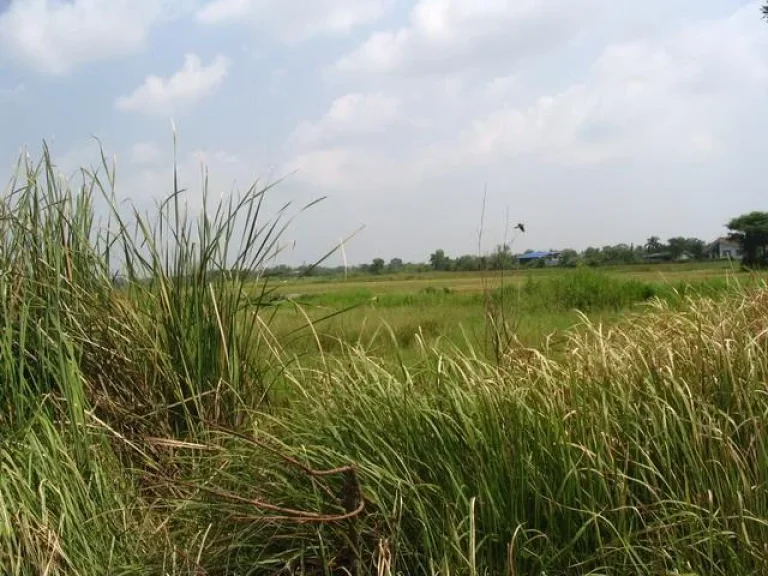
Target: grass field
182	423
396	315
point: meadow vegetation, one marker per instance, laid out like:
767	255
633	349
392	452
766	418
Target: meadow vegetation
385	316
178	420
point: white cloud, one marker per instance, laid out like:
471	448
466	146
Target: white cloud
294	20
223	11
216	172
352	114
193	82
217	158
11	93
352	169
666	99
603	109
621	128
276	81
327	168
55	36
656	100
145	153
445	34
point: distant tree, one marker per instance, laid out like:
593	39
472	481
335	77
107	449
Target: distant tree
395	265
569	258
439	261
307	270
280	270
751	231
619	254
696	247
468	263
765	10
653	245
377	266
593	256
677	246
502	258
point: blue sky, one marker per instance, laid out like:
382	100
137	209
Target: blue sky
594	122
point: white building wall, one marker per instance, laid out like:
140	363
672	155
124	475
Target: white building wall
729	250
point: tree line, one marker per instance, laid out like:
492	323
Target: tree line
502	258
750	231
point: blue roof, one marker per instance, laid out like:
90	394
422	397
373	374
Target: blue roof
536	255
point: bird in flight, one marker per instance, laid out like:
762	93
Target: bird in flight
521	227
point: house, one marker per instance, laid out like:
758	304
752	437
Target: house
550	258
724	247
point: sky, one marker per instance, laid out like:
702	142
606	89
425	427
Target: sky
593	122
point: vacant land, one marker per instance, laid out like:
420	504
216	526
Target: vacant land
181	423
396	315
477	282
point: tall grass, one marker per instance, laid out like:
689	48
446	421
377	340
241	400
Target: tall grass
174	344
588	290
179	329
137	436
67	506
644	452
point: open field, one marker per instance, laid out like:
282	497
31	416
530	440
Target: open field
396	315
173	424
475	282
